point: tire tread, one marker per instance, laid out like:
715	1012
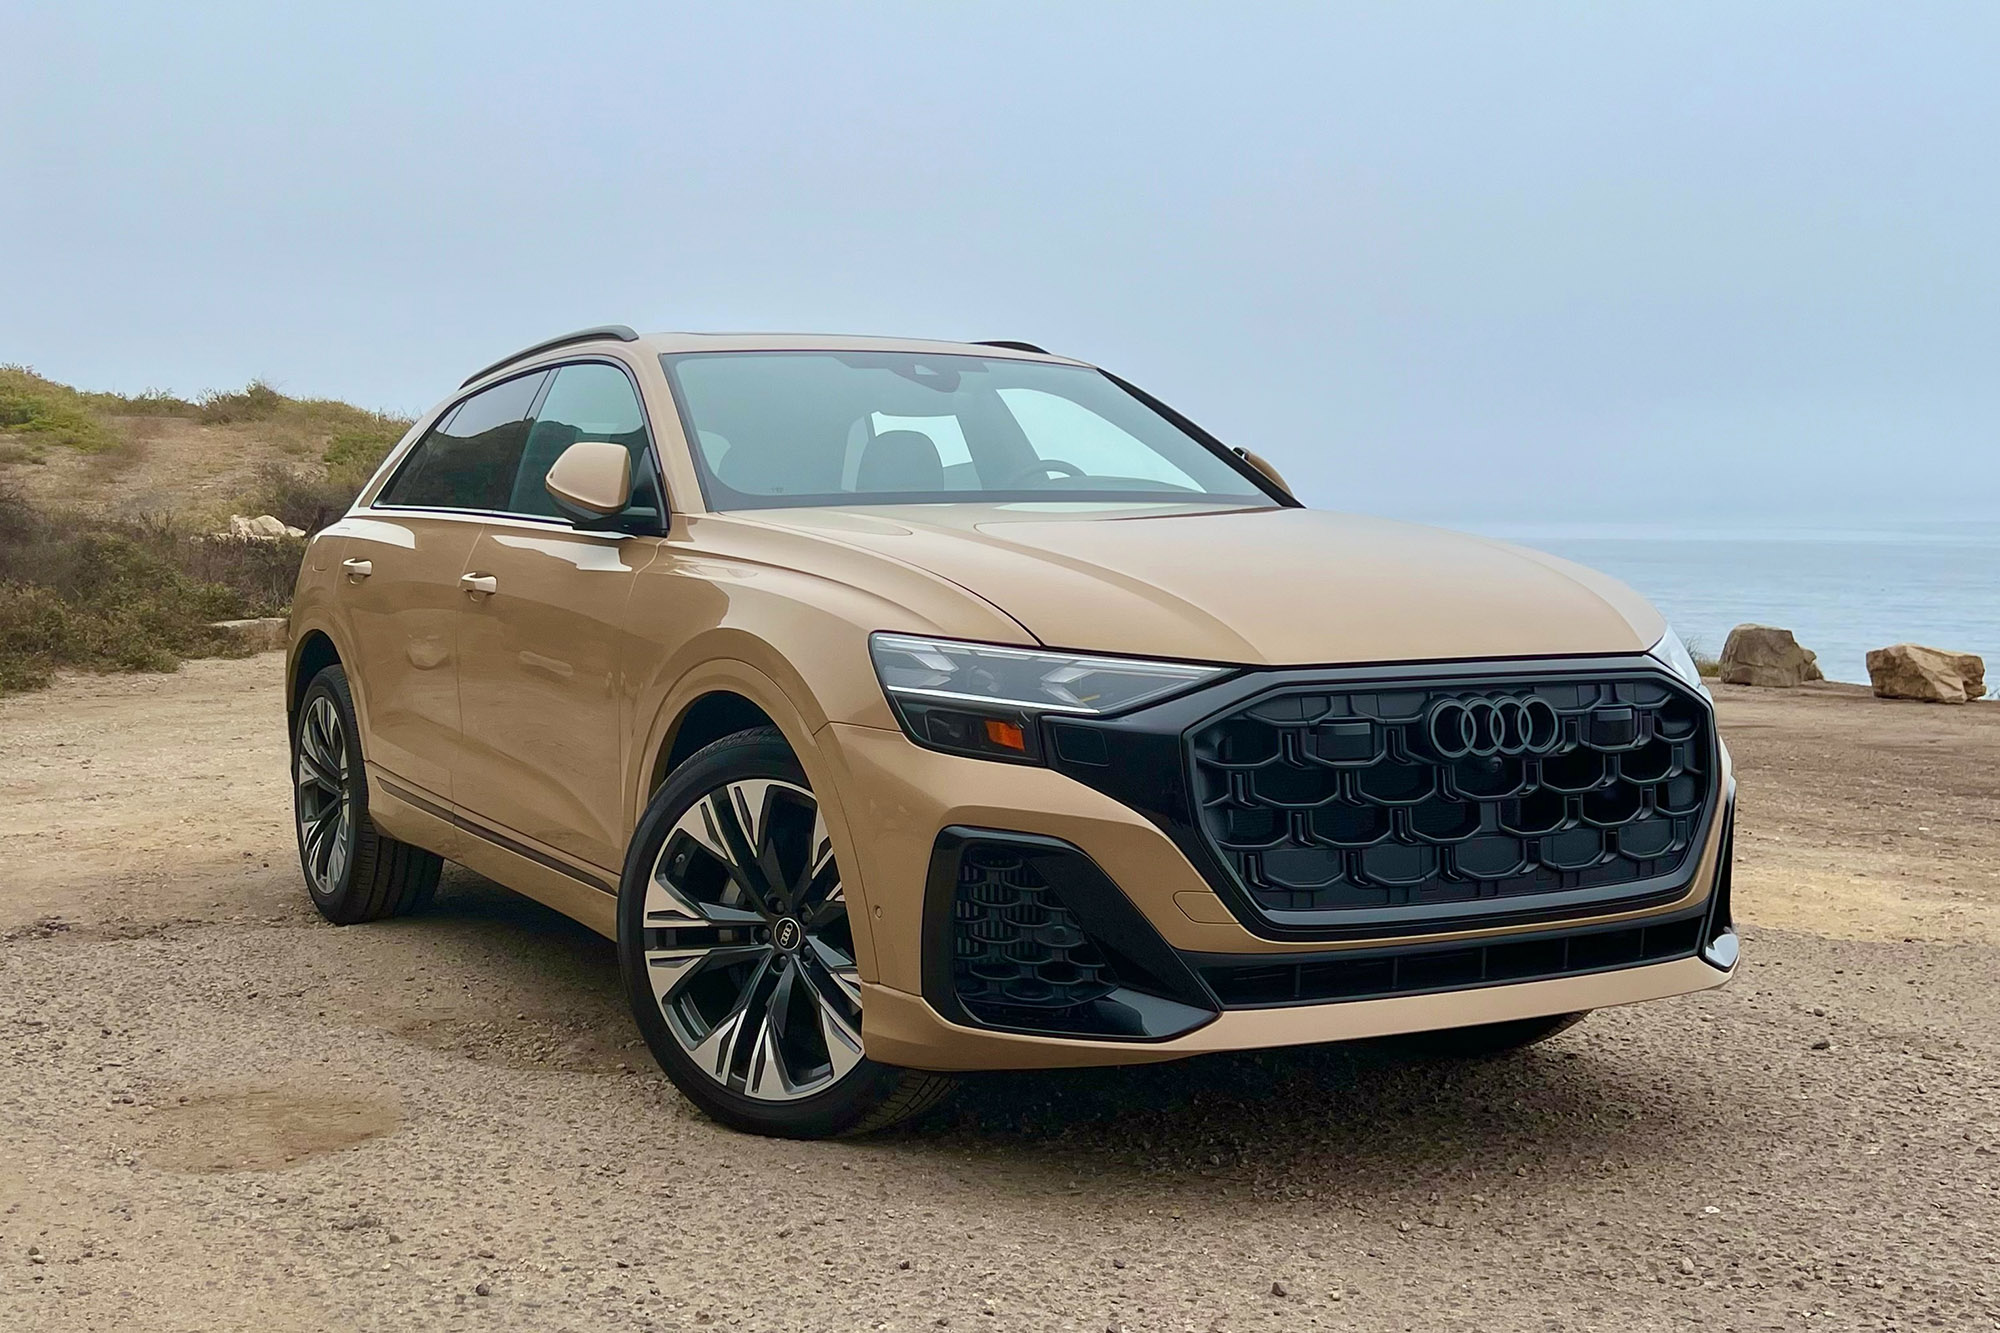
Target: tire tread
387	877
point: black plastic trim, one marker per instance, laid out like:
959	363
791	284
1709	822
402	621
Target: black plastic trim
1431	969
1227	453
1013	346
622	332
499	840
1159	997
1149	771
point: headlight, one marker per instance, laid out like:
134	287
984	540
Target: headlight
985	699
1675	654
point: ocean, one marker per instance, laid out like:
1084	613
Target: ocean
1842	590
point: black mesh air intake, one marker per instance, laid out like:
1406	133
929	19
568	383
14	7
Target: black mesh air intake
1014	944
1025	933
1458	795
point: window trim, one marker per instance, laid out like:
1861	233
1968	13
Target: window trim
549	369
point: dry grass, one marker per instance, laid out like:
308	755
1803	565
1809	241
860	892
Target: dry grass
112	568
77	591
1710	668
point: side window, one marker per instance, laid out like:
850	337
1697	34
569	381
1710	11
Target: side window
470	458
590	401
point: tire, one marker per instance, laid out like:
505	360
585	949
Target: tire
738	957
354	872
1483	1042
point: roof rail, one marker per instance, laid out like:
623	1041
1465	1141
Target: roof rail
622	332
1011	344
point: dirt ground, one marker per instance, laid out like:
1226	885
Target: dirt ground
218	1112
170	465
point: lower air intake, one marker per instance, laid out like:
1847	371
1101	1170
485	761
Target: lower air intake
1015	947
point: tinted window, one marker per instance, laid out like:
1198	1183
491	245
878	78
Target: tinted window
592	401
469	460
828	428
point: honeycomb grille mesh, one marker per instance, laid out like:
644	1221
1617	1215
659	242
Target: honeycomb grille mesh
1349	798
1014	945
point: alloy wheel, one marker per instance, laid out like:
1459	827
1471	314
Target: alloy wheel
324	806
747	943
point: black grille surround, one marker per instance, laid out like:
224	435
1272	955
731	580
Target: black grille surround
1316	805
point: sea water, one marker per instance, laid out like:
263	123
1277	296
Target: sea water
1841	589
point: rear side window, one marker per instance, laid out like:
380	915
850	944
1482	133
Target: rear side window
471	458
588	401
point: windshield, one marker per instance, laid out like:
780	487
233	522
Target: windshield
842	428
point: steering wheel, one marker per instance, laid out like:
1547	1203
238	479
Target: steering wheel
1040	466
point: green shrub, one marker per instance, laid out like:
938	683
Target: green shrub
151	403
255	401
82	591
35	412
300	499
355	454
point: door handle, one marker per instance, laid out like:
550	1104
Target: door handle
358	569
485	584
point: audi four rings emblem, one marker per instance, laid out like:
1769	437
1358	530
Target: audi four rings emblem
1483	727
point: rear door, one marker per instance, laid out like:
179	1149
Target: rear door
399	592
541	682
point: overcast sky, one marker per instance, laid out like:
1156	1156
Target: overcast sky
1454	261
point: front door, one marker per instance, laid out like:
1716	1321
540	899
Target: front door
542	684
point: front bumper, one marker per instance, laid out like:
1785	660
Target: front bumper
901	1029
898	798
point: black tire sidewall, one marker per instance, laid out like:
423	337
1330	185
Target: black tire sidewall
331	684
762	753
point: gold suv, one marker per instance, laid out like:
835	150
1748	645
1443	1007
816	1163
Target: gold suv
907	707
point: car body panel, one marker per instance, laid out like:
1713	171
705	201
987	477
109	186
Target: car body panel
524	733
1251	586
397	627
545	708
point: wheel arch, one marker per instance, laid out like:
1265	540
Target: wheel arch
707	703
314	652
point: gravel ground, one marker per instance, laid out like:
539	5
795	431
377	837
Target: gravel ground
219	1112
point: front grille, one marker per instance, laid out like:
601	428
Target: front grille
1015	946
1371	974
1455	796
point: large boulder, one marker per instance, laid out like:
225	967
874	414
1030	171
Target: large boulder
1764	655
1912	671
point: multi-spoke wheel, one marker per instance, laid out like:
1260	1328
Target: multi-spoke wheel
354	872
739	954
326	815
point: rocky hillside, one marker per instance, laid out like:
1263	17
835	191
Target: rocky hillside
110	506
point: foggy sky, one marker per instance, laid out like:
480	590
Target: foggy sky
1449	261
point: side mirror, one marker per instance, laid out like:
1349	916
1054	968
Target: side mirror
1270	473
592	481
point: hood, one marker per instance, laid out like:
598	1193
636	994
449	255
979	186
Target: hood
1276	587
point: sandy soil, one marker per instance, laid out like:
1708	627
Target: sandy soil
219	1112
